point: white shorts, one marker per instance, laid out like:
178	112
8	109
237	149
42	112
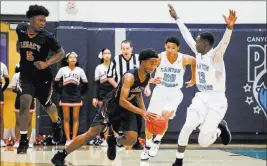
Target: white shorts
165	99
210	107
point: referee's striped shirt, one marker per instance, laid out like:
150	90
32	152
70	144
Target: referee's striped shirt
120	66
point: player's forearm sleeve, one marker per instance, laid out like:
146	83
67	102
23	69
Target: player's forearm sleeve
187	35
222	46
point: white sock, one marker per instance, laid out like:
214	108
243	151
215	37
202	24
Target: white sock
218	132
179	155
23	132
149	142
158	138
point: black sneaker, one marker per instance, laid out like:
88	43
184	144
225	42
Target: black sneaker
58	159
57	132
111	141
23	146
178	162
225	132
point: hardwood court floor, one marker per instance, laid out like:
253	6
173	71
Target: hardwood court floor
216	155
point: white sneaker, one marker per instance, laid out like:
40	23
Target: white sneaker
154	149
144	155
16	145
30	145
2	143
104	143
68	142
91	142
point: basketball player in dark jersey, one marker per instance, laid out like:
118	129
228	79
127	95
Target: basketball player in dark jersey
35	74
118	109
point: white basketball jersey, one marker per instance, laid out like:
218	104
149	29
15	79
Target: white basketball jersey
172	75
209	76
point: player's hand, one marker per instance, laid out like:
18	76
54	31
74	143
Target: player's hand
190	83
94	102
230	20
172	12
156	80
147	91
40	65
149	115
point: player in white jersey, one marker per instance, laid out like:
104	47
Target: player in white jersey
3	74
74	85
167	95
210	104
16	88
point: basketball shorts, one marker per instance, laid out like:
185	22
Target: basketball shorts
1	95
209	106
120	122
39	87
165	99
17	105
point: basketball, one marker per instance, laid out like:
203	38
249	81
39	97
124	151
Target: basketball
156	126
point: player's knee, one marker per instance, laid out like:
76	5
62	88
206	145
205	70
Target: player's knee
131	139
25	102
203	140
189	127
50	108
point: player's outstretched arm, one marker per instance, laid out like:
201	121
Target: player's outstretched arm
222	46
190	60
184	31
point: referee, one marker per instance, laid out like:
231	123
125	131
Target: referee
121	64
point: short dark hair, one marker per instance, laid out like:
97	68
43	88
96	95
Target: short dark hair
147	54
173	39
36	10
127	41
207	36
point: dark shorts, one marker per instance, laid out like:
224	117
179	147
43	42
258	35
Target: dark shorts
39	87
17	104
1	95
119	122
